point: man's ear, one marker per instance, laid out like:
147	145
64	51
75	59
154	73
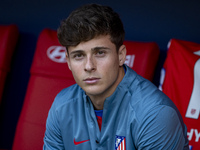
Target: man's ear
68	60
122	55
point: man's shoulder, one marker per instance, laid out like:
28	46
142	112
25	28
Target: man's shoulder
146	96
67	95
70	91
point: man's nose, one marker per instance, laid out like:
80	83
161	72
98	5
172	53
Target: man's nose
90	64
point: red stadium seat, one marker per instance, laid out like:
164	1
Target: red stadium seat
180	80
8	39
142	57
50	74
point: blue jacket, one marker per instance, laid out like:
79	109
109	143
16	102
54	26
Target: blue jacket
136	116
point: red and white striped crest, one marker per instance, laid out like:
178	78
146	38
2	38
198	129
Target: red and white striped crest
120	143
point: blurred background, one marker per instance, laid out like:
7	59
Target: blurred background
144	20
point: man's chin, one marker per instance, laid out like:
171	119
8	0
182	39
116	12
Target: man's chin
93	93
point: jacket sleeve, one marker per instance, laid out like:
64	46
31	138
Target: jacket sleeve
53	139
161	128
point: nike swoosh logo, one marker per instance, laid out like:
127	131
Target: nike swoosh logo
80	142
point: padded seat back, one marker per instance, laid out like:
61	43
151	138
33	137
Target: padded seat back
49	75
142	57
180	80
8	39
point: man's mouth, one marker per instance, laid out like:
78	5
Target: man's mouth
91	80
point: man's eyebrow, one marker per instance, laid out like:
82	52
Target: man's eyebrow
99	48
76	51
93	49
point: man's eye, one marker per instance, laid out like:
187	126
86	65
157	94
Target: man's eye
78	56
100	53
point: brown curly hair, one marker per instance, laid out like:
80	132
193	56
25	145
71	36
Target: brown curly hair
88	22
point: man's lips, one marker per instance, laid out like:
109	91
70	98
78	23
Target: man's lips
91	80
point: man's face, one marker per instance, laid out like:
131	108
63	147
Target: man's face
95	65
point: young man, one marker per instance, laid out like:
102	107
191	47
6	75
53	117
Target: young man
111	107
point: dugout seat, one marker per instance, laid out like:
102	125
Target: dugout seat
142	57
8	39
180	80
50	74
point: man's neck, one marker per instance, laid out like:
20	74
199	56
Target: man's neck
98	103
98	100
